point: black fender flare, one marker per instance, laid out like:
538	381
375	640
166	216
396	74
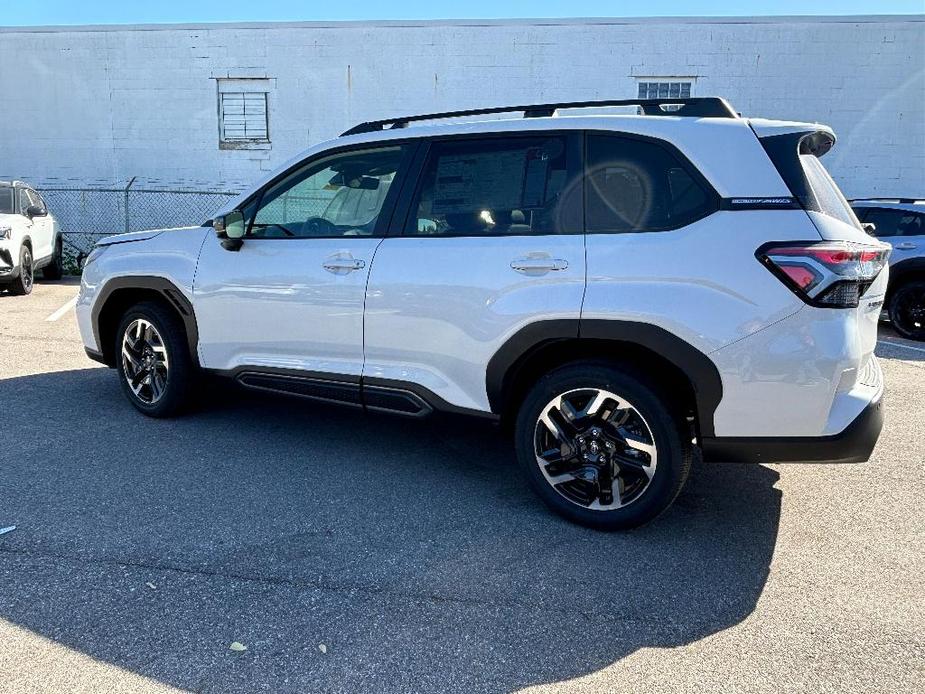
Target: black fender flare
699	369
162	286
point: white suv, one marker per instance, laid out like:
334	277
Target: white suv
29	238
621	289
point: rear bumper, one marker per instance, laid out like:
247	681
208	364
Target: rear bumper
852	445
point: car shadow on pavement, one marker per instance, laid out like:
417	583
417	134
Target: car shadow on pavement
412	550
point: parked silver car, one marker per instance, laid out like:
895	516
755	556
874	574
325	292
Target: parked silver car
901	223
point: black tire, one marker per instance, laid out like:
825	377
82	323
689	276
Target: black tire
55	269
668	431
907	310
22	285
177	380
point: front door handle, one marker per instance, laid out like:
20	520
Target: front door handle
538	265
341	265
906	246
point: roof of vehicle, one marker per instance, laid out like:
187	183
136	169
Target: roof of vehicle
913	204
14	184
717	145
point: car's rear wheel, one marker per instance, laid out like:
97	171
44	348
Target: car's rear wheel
55	269
153	361
601	446
23	283
907	310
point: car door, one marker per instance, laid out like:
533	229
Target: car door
486	242
40	226
902	229
291	298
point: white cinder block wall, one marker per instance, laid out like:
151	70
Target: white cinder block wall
92	105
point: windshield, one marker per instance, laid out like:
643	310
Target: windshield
6	200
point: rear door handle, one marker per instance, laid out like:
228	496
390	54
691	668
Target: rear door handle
341	266
906	246
538	265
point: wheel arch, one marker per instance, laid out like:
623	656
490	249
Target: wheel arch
677	366
120	293
905	271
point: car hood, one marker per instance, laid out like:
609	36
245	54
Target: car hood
136	236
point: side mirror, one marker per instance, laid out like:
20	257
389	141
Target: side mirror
870	228
230	228
35	211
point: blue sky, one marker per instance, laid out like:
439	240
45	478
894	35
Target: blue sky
38	12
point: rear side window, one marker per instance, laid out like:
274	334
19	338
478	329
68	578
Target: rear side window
636	185
497	186
889	222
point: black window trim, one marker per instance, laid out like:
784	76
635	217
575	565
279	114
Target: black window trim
410	146
401	218
714	197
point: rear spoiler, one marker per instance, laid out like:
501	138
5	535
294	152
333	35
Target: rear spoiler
784	142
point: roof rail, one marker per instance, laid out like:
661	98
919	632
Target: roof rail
887	198
697	107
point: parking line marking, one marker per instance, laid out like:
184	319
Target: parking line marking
900	344
64	309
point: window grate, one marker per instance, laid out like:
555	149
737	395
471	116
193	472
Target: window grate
244	117
665	90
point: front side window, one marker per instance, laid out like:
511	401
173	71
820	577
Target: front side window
36	199
635	185
339	195
496	186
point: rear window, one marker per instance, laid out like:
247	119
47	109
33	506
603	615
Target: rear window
829	198
796	158
6	200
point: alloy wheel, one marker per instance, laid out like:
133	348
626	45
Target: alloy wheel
144	361
26	270
909	312
595	449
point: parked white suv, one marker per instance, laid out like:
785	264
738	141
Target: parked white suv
622	289
29	238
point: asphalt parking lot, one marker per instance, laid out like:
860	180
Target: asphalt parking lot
371	554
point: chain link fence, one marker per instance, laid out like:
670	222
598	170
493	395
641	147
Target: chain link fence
86	215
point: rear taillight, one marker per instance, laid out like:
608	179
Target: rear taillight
834	274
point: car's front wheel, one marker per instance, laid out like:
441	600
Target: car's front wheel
907	310
153	360
601	446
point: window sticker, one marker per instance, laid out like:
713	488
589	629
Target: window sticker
472	181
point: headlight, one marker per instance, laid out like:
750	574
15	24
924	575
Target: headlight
5	233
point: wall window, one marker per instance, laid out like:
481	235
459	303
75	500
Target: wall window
512	186
667	89
243	113
634	185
